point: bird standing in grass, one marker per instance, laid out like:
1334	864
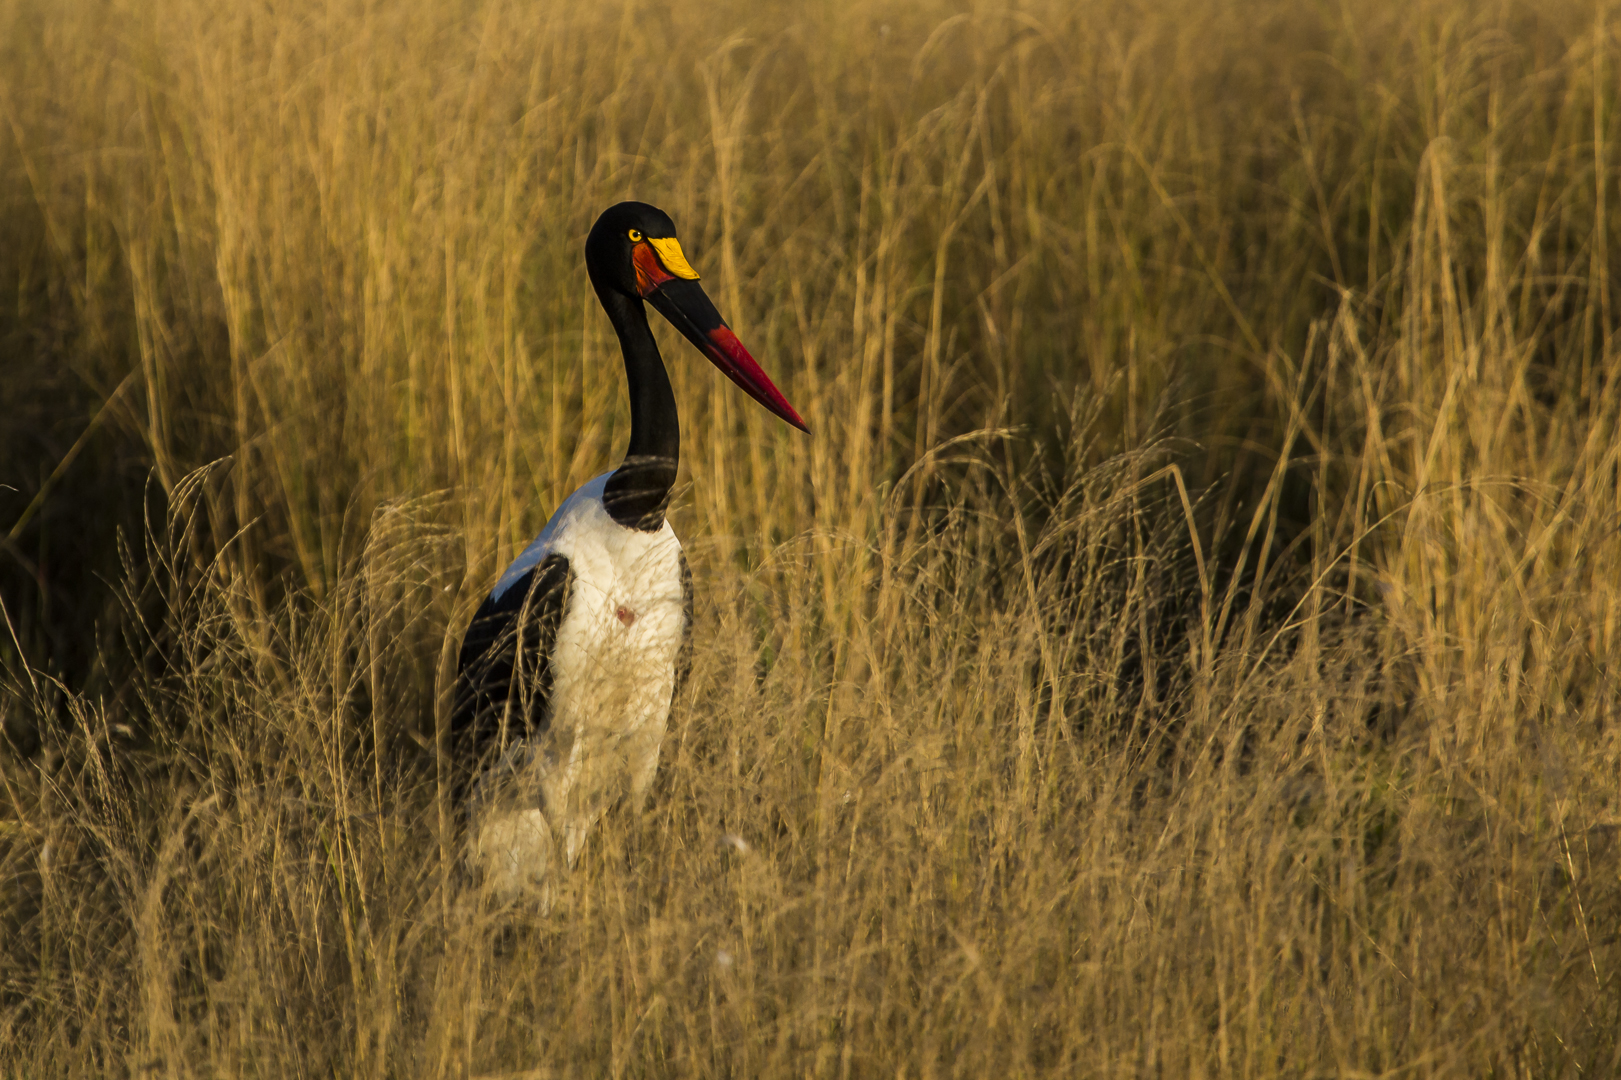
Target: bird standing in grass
569	667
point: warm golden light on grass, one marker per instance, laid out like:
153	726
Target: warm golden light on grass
1186	647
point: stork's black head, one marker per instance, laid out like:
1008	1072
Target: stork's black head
610	250
633	251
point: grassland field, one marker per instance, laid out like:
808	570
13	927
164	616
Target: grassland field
1187	645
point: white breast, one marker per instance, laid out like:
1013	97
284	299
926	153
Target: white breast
613	674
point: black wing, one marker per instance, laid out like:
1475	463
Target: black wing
503	676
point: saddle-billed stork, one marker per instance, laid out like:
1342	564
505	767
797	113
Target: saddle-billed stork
569	668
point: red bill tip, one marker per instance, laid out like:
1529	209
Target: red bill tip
732	358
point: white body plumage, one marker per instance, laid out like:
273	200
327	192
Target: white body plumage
613	668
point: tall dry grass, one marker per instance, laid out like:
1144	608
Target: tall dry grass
1186	647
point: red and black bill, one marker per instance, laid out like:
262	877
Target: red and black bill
685	304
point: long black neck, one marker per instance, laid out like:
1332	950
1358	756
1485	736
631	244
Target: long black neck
639	490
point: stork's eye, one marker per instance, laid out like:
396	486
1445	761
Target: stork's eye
635	235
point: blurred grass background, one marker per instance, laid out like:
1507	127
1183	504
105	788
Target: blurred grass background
1186	645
